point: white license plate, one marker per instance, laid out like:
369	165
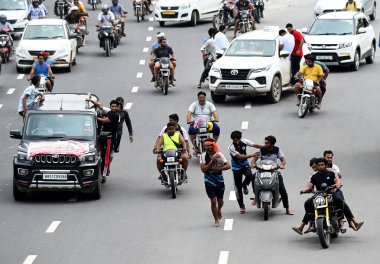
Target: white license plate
234	87
203	130
61	177
324	57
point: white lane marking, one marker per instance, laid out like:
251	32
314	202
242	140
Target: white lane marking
244	125
228	224
142	62
53	226
128	106
135	89
145	49
150	28
151	19
11	90
232	196
148	38
223	257
20	76
139	75
1	106
248	105
30	259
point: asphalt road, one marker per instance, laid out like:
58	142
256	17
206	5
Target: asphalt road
136	221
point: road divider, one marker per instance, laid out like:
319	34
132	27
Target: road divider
148	39
248	105
135	89
139	75
142	62
1	106
20	76
232	196
145	49
128	106
150	28
244	125
11	90
53	226
228	224
151	19
30	259
223	257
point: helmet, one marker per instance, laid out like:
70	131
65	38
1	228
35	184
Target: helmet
105	7
3	19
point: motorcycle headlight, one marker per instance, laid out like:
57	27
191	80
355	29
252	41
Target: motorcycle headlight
309	88
164	66
319	201
185	6
345	45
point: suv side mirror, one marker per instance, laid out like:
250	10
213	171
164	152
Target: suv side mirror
284	53
304	30
16	134
104	135
362	30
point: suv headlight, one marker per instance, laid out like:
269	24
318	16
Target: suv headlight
217	72
185	6
266	68
345	45
90	157
23	157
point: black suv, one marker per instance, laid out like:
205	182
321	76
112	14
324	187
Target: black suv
59	148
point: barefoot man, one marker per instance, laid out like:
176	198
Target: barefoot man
213	163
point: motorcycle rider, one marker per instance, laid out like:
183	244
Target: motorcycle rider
243	5
273	153
35	11
75	17
313	72
107	16
156	44
43	68
164	51
240	165
6	27
67	4
221	42
326	72
323	176
172	139
28	96
208	50
147	4
120	14
205	110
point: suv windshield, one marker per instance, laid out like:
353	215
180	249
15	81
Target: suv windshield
252	48
12	5
57	126
44	32
332	27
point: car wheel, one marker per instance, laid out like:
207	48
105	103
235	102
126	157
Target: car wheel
68	69
17	195
97	193
274	95
218	98
356	64
371	57
162	23
194	18
373	15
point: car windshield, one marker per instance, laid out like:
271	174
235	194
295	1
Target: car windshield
60	126
332	27
252	48
44	32
12	5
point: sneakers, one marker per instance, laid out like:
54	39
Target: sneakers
245	189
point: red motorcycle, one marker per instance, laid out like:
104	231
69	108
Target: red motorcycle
5	45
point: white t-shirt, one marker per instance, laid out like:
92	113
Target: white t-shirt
184	133
109	17
288	41
202	111
335	168
221	159
221	42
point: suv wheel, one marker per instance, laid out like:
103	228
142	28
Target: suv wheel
373	15
97	193
218	98
274	95
194	18
371	56
356	64
17	195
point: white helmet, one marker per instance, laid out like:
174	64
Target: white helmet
105	7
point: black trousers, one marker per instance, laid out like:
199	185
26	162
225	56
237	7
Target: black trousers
205	72
337	202
295	66
283	192
239	183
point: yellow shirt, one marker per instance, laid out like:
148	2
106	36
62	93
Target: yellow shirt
81	8
168	141
312	73
350	7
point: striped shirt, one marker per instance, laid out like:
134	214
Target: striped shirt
210	177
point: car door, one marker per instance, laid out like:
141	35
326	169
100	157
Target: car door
284	64
207	8
362	38
367	35
73	42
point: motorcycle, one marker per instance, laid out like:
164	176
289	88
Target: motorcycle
266	186
173	174
140	10
202	133
107	38
258	13
80	30
308	101
42	85
223	17
164	75
94	4
5	45
244	24
61	8
326	216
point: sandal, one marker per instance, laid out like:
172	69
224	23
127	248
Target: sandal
309	230
358	225
297	230
199	86
242	210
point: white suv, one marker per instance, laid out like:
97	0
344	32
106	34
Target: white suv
252	65
185	10
342	38
368	7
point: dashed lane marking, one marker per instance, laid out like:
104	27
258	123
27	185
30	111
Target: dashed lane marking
11	90
53	226
248	105
232	196
244	125
151	19
150	28
148	39
223	257
228	224
139	75
128	106
145	49
142	62
135	89
1	106
30	259
20	76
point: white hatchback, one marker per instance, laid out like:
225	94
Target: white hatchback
368	7
52	35
185	10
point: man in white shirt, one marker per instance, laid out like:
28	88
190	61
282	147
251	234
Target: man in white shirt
207	49
221	42
329	155
286	41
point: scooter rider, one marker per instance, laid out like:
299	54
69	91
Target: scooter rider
43	68
205	110
164	51
313	72
274	153
241	5
119	13
6	27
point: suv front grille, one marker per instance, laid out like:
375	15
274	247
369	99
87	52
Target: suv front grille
38	52
51	159
240	75
324	46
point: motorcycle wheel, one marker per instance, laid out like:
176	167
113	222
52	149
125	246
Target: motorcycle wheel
165	85
107	47
324	236
266	211
303	107
3	58
138	16
172	184
256	15
61	13
217	21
